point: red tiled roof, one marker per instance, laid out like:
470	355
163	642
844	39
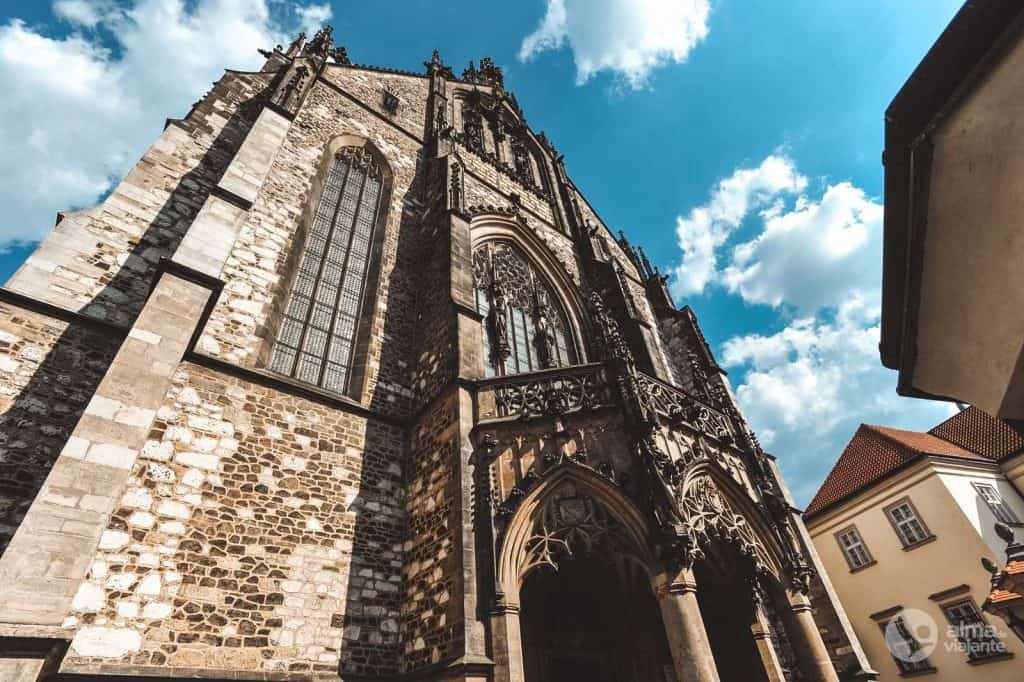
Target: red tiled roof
873	453
981	433
1001	596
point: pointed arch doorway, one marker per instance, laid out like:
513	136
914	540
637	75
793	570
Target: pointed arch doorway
592	620
578	598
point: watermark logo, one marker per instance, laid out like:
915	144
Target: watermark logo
912	636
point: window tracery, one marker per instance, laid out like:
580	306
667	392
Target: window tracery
525	328
316	337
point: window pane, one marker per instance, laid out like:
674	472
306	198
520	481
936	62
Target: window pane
996	503
973	632
909	528
323	307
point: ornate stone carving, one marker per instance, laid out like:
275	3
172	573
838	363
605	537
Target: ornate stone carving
455	187
571	524
321	44
576	389
296	45
435	65
497	317
340	56
361	158
389	100
288	96
521	161
677	405
544	337
488	74
518	299
707	517
473	130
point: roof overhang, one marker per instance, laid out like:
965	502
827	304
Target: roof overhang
962	56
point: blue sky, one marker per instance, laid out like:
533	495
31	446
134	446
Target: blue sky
738	141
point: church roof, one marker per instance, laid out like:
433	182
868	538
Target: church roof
874	453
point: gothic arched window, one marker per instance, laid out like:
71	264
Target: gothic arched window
526	328
316	337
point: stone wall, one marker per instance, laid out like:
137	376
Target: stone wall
49	370
100	260
477	193
434	364
490	175
259	532
431	618
368	87
257	275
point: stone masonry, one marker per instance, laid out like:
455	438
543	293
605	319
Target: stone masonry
171	508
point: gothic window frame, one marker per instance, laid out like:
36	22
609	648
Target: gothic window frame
357	295
564	293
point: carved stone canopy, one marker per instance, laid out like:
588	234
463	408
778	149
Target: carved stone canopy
572	523
708	517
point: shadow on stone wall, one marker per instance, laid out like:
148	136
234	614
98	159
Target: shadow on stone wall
372	643
43	413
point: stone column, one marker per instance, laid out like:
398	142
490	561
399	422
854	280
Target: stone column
761	629
507	643
807	643
684	629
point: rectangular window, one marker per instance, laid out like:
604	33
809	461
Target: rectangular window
907	524
996	503
975	635
854	549
903	646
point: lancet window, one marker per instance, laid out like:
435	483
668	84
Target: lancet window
316	337
526	328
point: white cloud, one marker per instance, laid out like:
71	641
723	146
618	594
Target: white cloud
629	38
77	112
313	17
707	228
806	388
815	256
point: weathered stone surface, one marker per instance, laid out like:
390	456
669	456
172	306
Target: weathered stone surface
208	519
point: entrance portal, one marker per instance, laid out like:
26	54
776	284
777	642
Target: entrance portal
727	608
592	621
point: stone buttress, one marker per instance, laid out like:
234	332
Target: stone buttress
182	497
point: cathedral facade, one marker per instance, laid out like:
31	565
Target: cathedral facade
346	379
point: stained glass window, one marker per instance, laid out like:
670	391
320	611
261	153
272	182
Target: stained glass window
525	328
316	337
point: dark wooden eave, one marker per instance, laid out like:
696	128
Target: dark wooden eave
949	68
